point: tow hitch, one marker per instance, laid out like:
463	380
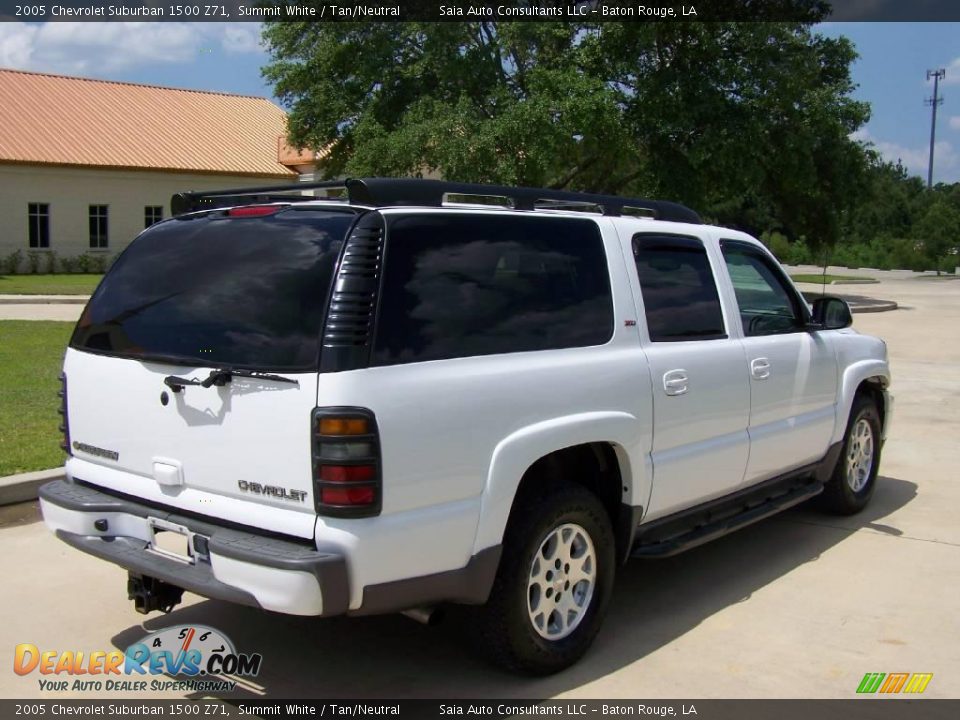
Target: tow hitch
149	594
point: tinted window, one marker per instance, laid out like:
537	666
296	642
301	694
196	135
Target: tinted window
766	304
679	293
457	286
246	291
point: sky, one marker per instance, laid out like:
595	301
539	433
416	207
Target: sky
227	57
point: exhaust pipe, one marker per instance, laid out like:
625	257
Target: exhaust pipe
424	615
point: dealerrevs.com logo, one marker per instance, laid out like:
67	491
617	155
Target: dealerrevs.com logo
200	658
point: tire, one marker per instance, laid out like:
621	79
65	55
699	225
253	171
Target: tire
851	486
521	627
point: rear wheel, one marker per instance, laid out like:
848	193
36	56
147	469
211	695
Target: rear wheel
553	585
849	489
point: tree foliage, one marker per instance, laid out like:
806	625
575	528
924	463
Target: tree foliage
747	122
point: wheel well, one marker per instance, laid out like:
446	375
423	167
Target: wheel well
591	465
873	388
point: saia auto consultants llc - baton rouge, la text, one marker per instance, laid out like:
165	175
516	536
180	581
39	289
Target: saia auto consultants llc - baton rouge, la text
580	11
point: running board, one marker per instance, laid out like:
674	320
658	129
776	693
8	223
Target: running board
690	528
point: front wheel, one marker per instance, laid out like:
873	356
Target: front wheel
553	585
850	487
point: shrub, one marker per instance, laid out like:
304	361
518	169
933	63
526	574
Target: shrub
51	262
68	264
10	264
83	263
787	252
33	261
98	263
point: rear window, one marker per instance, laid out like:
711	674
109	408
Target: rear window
460	286
212	290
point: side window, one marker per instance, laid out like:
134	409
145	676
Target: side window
679	293
466	285
767	306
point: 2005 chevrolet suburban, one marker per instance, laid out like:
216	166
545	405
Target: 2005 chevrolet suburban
417	392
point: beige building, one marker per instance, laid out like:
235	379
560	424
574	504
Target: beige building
85	165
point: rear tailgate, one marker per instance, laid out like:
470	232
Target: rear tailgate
248	440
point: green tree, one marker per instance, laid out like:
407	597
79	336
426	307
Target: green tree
748	122
939	231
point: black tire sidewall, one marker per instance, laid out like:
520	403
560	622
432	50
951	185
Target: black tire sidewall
531	652
863	409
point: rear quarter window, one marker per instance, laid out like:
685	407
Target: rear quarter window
468	285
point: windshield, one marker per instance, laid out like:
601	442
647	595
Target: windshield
213	290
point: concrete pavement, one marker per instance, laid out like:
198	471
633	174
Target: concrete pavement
44	299
40	311
801	605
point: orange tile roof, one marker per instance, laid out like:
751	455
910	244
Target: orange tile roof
53	119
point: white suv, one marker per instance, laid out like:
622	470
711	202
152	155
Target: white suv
420	393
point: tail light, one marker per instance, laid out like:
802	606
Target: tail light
255	210
346	462
65	421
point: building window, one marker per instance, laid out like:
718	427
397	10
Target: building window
152	214
98	226
38	215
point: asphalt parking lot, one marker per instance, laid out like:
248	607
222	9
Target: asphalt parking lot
798	606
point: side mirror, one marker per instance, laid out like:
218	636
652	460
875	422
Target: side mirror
831	313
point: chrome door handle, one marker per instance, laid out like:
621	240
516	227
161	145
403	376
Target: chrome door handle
760	368
675	382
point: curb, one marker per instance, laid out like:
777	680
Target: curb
44	299
23	487
881	306
858	303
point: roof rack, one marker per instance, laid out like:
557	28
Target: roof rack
386	192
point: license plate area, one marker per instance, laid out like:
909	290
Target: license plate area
171	541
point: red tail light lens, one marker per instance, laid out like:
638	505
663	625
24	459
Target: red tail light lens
254	210
346	462
347	473
351	496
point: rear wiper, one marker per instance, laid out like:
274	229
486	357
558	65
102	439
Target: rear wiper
221	377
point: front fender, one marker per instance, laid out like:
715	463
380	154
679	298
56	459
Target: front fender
852	377
514	455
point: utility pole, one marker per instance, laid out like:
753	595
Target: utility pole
937	75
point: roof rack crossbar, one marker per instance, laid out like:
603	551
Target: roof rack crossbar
430	193
385	192
186	202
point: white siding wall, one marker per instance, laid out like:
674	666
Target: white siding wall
70	191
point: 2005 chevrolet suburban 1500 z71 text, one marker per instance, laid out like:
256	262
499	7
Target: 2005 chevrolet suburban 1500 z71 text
415	392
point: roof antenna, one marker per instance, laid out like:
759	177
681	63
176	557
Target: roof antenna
823	283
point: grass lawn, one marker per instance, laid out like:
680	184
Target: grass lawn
48	284
819	279
31	353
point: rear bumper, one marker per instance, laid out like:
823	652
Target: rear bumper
240	566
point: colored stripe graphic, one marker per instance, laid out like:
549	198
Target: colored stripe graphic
918	682
894	682
870	682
